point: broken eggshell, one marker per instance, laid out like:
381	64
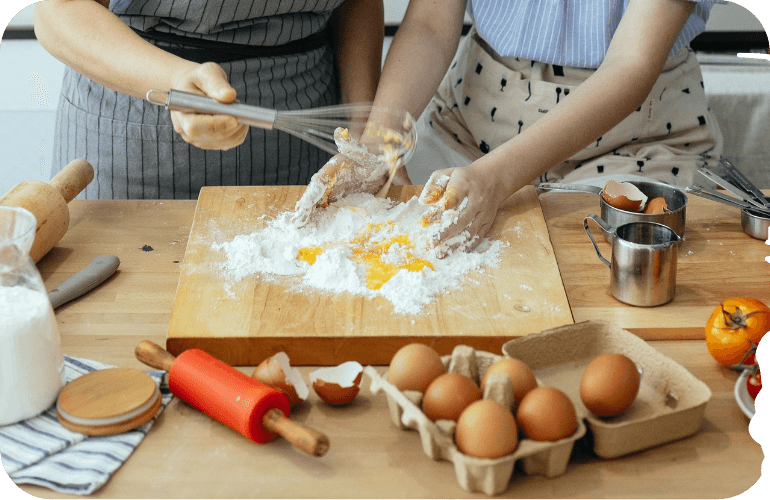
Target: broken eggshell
656	206
337	385
277	372
624	196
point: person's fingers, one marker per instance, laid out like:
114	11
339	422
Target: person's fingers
446	194
210	131
434	188
448	222
212	80
318	191
460	242
201	125
351	177
465	240
460	214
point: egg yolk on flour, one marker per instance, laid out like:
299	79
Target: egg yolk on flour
369	253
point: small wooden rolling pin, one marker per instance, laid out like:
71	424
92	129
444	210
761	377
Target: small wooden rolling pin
247	406
48	203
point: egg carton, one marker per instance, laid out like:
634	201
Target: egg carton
490	476
670	402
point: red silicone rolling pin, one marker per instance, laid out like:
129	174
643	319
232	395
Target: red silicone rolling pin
247	406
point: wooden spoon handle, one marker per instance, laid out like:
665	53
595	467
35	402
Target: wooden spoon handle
303	438
151	354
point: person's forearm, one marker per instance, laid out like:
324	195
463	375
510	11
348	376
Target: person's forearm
420	54
591	110
94	42
359	34
630	69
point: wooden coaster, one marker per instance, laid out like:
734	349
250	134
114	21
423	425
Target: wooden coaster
108	401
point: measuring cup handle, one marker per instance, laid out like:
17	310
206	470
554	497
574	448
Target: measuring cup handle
603	225
578	188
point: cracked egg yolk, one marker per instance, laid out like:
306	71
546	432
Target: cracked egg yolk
378	272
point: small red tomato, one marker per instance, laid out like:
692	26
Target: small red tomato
754	384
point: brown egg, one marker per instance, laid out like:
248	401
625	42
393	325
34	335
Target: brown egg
448	395
656	206
414	367
624	196
546	414
521	376
609	384
486	429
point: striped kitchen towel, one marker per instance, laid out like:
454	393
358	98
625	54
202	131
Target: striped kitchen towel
40	451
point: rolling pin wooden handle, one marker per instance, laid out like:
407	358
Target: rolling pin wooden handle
303	438
151	354
73	179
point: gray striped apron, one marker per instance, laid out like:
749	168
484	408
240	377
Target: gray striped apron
132	144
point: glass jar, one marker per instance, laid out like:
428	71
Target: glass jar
31	361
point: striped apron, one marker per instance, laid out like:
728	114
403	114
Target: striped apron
262	46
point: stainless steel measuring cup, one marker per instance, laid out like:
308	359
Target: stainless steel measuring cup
675	198
643	264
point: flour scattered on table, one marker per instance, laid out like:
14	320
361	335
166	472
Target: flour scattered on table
362	245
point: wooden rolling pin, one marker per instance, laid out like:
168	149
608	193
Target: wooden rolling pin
48	203
247	406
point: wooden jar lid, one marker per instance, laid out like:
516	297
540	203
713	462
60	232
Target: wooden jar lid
108	401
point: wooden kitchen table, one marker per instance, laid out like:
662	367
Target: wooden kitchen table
188	455
716	261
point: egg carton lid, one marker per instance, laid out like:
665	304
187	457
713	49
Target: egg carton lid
490	476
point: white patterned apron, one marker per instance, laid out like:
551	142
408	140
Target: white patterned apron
485	100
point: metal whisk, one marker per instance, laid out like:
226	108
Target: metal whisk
395	130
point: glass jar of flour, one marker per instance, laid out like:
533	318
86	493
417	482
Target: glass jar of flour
31	361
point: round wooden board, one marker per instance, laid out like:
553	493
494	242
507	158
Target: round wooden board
108	401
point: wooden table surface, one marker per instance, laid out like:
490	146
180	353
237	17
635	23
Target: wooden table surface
188	455
716	261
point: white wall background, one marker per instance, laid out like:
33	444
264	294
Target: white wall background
30	80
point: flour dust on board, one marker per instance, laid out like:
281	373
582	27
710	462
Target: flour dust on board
361	245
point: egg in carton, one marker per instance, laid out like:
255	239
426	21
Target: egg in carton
488	475
670	402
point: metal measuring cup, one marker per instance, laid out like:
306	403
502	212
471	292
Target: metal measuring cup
675	198
643	266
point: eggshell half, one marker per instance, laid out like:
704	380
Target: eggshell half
624	196
277	372
337	385
656	206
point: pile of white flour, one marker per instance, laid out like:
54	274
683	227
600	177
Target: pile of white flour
272	251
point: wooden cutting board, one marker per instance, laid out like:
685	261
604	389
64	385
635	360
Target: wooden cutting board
246	322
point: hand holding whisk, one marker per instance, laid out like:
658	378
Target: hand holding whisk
392	134
370	144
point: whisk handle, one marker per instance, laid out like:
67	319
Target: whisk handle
178	100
